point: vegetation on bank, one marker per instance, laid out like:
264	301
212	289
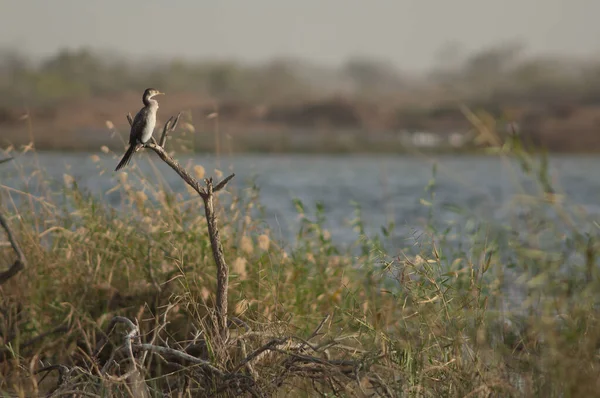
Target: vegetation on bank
469	308
504	72
68	97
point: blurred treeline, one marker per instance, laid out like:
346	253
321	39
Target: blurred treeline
501	74
506	73
554	100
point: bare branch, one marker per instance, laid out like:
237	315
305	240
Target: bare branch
224	182
318	329
207	194
169	126
270	346
5	160
62	375
133	332
134	375
20	262
126	321
180	355
187	177
213	378
217	249
130	119
79	392
165	130
238	322
311	359
111	326
174	125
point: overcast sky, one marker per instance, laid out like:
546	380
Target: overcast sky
406	32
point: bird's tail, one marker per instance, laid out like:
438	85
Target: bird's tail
126	158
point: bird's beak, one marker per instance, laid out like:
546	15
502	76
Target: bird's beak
160	93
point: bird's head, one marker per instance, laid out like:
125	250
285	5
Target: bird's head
151	92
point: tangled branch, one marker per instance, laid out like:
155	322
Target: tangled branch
282	359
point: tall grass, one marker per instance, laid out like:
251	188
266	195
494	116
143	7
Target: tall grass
473	309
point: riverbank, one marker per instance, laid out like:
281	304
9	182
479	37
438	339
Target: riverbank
312	314
329	125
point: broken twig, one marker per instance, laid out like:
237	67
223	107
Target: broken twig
20	262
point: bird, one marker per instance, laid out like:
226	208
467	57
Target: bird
142	126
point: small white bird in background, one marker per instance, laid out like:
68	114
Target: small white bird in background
142	126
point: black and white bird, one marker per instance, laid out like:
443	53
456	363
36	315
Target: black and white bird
142	126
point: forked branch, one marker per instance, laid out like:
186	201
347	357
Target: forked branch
207	194
169	126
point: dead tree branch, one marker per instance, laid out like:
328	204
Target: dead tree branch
182	356
134	375
20	262
169	126
207	195
260	373
62	375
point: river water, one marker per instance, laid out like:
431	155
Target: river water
388	188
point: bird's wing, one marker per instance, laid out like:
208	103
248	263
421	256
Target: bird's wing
138	125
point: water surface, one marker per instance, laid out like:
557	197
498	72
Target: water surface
388	188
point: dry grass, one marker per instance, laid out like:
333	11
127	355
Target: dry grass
119	302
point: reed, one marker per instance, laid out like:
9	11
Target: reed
121	302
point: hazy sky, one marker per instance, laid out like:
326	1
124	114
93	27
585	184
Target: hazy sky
407	32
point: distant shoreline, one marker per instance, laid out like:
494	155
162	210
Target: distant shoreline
331	151
318	126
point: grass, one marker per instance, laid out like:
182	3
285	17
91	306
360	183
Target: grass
510	311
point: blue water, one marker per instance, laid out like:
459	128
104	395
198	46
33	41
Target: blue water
388	188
